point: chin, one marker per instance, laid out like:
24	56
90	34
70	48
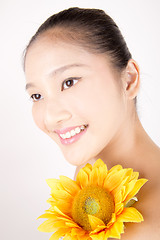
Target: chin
76	161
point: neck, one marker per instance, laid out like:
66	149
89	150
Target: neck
128	148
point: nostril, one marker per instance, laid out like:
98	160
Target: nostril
55	117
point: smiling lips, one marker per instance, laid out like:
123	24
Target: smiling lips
70	135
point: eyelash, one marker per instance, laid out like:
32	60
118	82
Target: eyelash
37	97
69	79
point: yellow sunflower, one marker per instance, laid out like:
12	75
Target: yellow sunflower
95	206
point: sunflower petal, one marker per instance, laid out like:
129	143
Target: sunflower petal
98	236
115	168
102	173
94	222
64	206
51	201
61	195
119	208
93	177
83	237
47	226
116	230
72	225
61	214
118	196
113	219
128	188
78	232
56	236
129	173
98	229
113	180
82	178
134	176
69	185
47	215
87	168
59	224
52	183
67	237
139	183
99	163
130	215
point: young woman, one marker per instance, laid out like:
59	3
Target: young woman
84	82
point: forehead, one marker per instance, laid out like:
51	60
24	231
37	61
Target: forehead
47	50
48	46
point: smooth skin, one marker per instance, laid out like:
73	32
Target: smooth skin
71	86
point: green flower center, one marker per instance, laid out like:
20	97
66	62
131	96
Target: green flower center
92	200
91	206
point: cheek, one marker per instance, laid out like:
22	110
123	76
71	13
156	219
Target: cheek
99	100
37	114
102	105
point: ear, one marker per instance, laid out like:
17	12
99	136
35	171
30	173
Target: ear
132	79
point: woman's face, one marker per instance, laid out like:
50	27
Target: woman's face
77	99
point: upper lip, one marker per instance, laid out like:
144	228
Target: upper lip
64	130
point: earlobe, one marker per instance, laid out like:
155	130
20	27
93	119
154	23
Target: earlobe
132	80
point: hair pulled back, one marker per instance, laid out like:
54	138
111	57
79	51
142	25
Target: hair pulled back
91	28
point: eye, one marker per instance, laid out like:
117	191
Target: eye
36	97
69	83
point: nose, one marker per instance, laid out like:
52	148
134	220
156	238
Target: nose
56	114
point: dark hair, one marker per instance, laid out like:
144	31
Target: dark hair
91	28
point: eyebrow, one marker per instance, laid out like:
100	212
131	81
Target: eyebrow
66	67
29	85
58	71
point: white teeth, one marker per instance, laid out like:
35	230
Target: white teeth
77	130
82	127
73	132
62	136
68	135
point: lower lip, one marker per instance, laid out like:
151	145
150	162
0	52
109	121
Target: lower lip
73	139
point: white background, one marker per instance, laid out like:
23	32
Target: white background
27	156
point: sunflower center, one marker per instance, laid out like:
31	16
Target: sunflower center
91	206
92	200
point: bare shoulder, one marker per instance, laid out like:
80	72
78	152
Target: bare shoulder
148	204
157	153
151	161
148	201
154	164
